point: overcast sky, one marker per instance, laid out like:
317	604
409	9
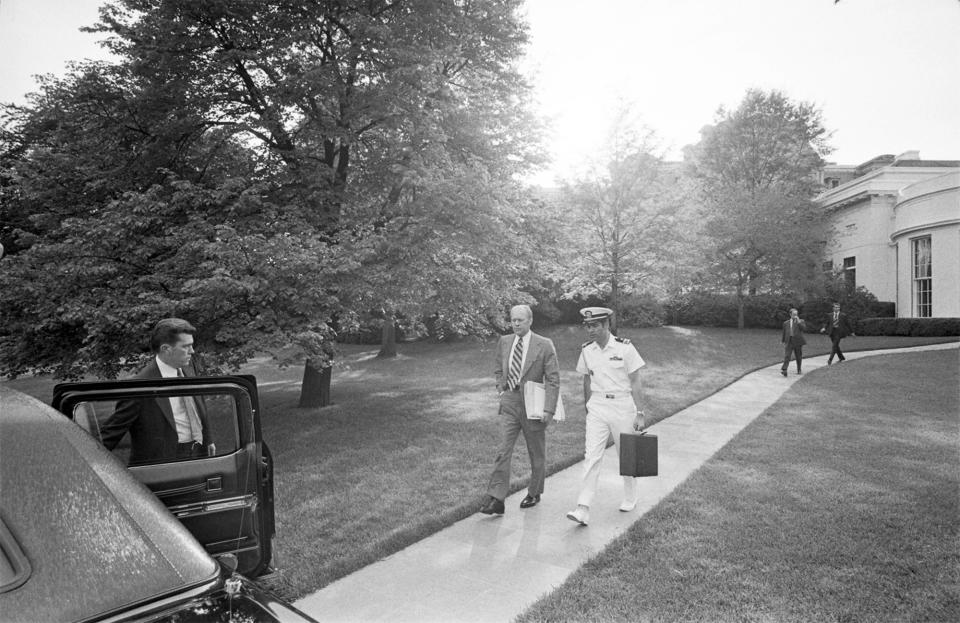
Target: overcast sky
886	73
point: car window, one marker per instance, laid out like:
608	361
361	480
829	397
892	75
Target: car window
139	430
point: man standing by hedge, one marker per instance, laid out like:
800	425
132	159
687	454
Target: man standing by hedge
838	327
793	340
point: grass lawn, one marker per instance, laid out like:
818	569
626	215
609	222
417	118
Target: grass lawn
408	444
839	503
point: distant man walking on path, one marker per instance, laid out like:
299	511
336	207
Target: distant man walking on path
611	392
837	327
520	358
793	340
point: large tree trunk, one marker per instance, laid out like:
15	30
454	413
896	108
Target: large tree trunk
388	337
315	389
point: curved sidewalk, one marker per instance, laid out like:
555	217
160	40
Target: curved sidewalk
492	568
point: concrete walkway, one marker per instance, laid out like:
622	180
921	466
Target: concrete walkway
492	568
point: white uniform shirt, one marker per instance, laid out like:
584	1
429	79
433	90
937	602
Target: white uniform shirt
609	367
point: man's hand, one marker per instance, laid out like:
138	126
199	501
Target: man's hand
640	421
547	417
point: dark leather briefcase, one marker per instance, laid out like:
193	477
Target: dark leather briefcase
638	454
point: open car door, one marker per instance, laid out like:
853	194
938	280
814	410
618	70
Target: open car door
224	495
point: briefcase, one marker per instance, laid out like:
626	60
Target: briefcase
638	454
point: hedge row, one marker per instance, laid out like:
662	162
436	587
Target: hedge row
767	311
915	327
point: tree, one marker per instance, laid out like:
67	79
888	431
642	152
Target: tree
623	219
757	169
291	143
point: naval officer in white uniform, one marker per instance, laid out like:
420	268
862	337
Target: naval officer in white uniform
611	393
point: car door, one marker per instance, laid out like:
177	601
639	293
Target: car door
224	494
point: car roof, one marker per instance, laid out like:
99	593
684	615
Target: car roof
84	538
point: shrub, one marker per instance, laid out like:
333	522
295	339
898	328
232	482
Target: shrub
720	310
916	327
569	308
766	311
545	313
703	308
640	310
858	304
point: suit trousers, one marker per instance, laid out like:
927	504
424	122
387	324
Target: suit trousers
605	417
513	421
794	347
835	348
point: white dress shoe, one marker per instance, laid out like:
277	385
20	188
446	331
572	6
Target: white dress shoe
581	515
626	506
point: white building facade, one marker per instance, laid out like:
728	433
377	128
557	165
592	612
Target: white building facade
895	225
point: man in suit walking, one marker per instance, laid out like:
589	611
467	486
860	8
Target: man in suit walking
793	340
838	327
163	428
520	358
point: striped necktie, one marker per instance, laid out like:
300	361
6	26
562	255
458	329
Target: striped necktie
513	379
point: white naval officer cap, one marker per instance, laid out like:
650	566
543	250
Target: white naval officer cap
591	314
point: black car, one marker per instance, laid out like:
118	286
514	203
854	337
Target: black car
84	536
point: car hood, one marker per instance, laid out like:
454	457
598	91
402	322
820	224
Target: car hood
96	540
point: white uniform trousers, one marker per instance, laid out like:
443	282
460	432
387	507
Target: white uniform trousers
605	417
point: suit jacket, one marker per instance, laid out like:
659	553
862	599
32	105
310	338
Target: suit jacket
843	328
798	338
153	433
540	366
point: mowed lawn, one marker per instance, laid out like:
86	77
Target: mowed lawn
408	444
839	503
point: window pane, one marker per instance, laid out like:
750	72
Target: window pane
922	273
149	424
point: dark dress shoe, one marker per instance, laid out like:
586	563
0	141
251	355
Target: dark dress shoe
529	501
492	507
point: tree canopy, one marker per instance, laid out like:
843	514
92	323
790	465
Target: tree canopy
757	166
623	219
270	170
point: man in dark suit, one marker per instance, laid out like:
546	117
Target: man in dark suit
521	358
163	428
837	327
793	340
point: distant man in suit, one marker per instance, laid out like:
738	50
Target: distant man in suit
521	358
793	340
837	327
163	428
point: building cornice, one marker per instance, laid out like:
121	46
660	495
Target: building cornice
906	231
888	181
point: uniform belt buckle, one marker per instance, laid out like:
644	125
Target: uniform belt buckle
610	396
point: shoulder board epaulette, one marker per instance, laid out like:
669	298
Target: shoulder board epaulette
585	344
622	340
